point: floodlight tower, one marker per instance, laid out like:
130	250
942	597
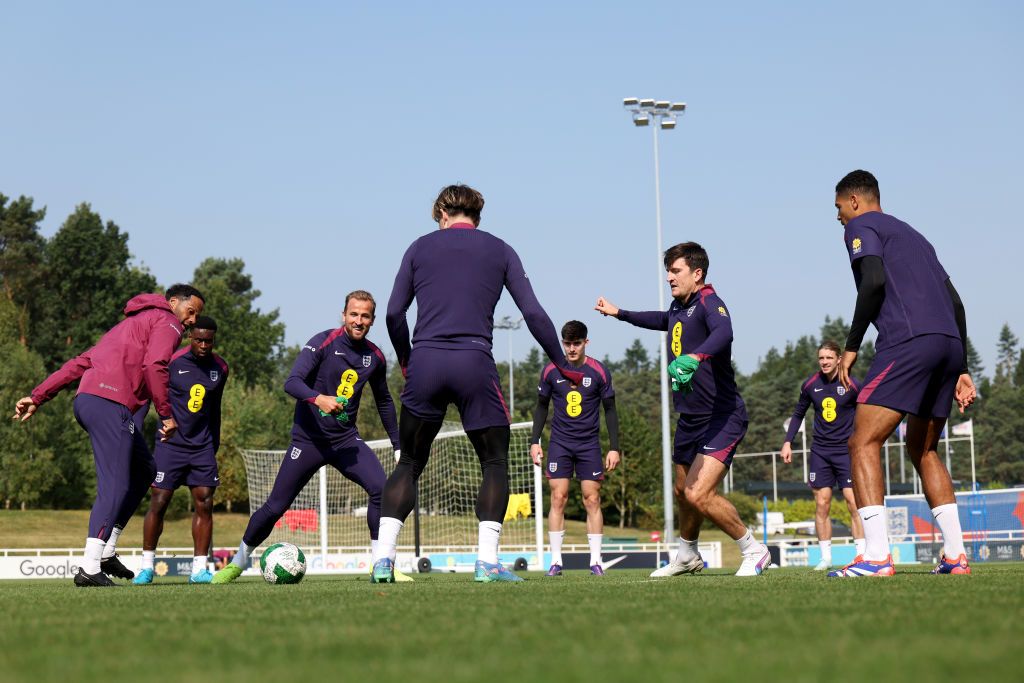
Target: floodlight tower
664	115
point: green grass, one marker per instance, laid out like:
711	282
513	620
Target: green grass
789	625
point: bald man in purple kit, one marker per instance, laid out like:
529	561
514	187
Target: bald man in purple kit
126	369
919	370
456	275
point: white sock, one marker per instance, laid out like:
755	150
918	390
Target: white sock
948	519
748	543
387	538
374	546
199	563
556	538
148	558
93	555
687	550
111	547
826	551
241	558
876	535
595	548
859	544
487	549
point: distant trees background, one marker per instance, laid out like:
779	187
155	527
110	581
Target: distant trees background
59	295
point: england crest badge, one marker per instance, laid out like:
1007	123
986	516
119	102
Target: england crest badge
367	360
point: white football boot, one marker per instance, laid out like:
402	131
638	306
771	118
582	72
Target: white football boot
755	562
675	567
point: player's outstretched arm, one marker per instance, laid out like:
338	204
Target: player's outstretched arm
649	320
537	320
71	371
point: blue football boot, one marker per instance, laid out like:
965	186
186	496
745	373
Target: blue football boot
383	571
143	578
204	576
489	573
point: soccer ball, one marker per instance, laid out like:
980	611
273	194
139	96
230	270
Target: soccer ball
283	563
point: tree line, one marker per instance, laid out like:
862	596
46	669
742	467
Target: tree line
58	295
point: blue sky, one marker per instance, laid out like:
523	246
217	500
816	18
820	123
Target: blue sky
310	139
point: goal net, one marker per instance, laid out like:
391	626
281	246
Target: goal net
331	510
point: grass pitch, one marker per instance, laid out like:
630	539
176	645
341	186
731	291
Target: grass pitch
789	625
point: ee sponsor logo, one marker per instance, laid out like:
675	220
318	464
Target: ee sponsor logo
196	394
574	403
347	388
828	409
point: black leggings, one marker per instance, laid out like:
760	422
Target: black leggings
416	436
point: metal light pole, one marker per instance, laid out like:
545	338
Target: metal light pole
507	323
664	114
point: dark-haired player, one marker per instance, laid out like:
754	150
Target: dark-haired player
712	415
834	406
456	275
327	383
124	370
919	370
575	444
189	457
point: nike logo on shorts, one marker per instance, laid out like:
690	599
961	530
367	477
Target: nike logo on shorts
709	448
182	372
595	474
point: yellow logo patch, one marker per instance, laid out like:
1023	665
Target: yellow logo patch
722	312
856	245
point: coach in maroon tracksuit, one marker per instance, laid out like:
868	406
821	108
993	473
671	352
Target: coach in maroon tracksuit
124	370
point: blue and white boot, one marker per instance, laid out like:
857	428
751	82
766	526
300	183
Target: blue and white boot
489	573
143	578
203	576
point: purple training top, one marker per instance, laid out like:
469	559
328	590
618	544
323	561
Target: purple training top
331	363
577	419
916	299
700	325
456	276
196	388
834	406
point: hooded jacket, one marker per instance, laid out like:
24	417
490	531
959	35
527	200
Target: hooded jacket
128	365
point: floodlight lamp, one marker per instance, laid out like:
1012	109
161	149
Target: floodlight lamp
662	104
646	103
630	102
641	119
678	106
668	124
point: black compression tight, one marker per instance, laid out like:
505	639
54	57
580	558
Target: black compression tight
491	444
416	437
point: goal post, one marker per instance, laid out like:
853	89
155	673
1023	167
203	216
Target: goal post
329	514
